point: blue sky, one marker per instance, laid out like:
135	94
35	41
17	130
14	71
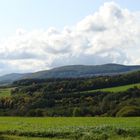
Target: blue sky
38	14
42	34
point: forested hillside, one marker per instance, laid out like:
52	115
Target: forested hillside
71	71
65	97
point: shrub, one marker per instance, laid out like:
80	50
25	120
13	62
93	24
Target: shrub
128	111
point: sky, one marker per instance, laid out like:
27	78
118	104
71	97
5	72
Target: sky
42	34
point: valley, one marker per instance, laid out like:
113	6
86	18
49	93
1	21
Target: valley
85	108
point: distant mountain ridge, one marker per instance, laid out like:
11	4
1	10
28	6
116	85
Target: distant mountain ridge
9	78
71	71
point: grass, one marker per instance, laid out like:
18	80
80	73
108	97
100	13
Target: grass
101	128
5	92
115	89
6	137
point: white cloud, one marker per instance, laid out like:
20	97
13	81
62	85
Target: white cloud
110	35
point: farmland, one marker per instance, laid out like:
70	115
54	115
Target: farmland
88	128
72	109
116	89
4	92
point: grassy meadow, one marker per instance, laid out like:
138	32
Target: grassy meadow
70	128
116	89
5	92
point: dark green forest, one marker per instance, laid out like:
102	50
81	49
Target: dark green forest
65	97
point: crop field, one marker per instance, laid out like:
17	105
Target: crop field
116	89
70	128
4	92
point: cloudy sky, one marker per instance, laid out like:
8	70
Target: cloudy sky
42	34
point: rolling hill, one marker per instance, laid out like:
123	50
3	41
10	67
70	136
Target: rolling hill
5	79
71	71
84	71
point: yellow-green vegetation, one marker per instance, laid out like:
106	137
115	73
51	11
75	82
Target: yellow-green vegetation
70	128
116	89
6	137
5	92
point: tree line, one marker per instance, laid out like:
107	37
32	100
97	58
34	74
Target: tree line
63	97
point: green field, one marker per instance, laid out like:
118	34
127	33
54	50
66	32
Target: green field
4	92
70	128
116	89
